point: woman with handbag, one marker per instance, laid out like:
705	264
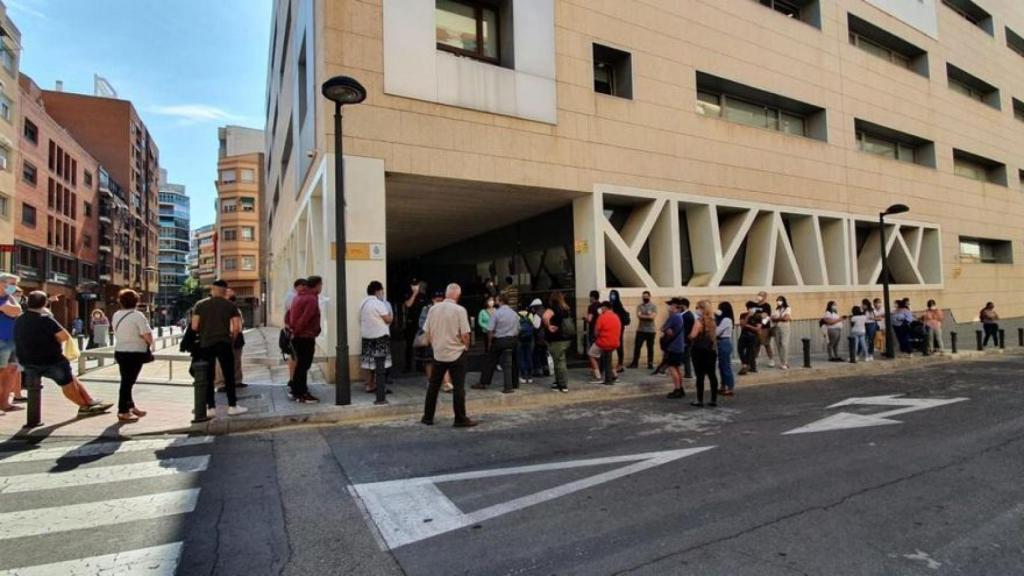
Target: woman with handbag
133	338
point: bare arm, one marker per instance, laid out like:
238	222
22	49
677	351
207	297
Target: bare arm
11	308
195	322
236	326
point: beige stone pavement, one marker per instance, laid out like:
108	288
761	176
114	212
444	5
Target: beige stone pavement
169	401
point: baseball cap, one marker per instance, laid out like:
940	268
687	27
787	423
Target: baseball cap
220	283
536	302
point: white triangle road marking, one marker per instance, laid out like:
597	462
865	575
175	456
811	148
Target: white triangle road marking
153	561
409	510
57	519
87	449
102	474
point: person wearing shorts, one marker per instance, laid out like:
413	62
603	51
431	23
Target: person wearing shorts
673	344
607	339
39	342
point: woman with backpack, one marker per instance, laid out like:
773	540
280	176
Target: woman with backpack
702	344
559	331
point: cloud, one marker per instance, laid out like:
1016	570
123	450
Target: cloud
28	7
197	113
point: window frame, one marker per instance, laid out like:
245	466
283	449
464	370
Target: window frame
34	138
26	167
34	212
480	54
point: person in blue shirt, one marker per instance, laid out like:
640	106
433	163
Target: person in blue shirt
901	320
673	344
10	383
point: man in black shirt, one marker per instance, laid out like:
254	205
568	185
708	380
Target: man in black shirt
39	344
218	322
414	302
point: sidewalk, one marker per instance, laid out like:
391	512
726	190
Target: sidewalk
170	404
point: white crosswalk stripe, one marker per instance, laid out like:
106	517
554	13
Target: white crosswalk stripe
116	552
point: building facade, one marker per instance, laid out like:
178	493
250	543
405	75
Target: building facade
10	134
204	245
57	221
702	148
113	132
175	246
239	196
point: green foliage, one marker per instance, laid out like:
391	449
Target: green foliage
191	292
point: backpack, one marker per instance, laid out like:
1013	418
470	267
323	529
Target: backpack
568	327
526	329
702	342
625	318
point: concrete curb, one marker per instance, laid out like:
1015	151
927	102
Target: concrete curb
356	415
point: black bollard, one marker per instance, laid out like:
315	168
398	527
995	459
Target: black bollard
952	342
160	331
1020	336
977	335
852	341
33	384
198	370
1002	339
807	351
381	379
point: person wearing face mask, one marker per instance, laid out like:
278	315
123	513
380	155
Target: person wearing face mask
10	310
782	318
723	336
646	312
375	318
616	301
832	324
483	321
879	315
750	334
932	320
870	327
767	332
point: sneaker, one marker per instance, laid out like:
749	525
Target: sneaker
556	386
529	380
447	388
211	412
522	380
426	422
597	380
237	410
467	423
771	363
869	359
96	407
378	402
19	399
564	389
677	393
697	404
308	398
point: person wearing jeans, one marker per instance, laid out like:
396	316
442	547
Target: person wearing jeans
132	339
723	334
990	322
858	329
218	322
871	327
448	333
502	333
303	321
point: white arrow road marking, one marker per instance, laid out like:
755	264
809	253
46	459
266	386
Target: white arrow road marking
414	509
845	420
155	561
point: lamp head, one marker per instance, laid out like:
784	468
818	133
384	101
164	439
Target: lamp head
343	90
896	209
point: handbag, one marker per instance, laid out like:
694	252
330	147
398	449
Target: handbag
71	349
421	340
148	354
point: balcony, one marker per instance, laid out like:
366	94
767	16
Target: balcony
104	213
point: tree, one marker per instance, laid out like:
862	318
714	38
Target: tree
191	292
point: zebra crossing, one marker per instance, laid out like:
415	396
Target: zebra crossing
112	508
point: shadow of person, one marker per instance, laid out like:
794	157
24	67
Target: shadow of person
98	448
30	437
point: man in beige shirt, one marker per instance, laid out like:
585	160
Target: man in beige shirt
447	330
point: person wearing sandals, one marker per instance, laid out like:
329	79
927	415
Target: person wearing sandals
9	312
133	338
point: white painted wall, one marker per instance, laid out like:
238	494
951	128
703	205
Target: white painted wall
920	14
415	68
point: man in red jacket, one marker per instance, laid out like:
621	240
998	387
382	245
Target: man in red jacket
607	337
303	320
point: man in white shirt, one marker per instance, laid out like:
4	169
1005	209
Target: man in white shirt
375	319
448	332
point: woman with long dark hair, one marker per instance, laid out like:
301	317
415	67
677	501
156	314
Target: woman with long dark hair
620	311
702	342
725	321
557	323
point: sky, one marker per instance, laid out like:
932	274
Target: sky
188	66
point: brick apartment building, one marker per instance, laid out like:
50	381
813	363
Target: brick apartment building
56	221
113	132
10	42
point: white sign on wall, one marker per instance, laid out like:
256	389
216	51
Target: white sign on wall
920	14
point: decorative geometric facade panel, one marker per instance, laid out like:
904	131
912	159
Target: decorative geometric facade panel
665	240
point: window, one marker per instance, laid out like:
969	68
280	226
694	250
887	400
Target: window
978	168
248	262
28	173
806	11
887	46
88	209
892	144
1020	178
986	251
87	180
613	72
31	132
229	263
248	176
28	215
227	177
228	206
248	233
718	97
8	59
972	87
972	13
229	234
5	157
1018	110
302	78
5	206
468	28
5	107
248	204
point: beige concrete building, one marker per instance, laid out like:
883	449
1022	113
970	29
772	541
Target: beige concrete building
707	148
239	194
10	135
204	246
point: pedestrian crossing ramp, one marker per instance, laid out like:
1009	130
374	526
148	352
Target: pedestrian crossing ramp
98	507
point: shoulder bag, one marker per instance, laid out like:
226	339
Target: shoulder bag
149	352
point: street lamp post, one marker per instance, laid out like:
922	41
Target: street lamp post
890	350
341	90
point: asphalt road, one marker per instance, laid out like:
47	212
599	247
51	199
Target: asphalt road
937	493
